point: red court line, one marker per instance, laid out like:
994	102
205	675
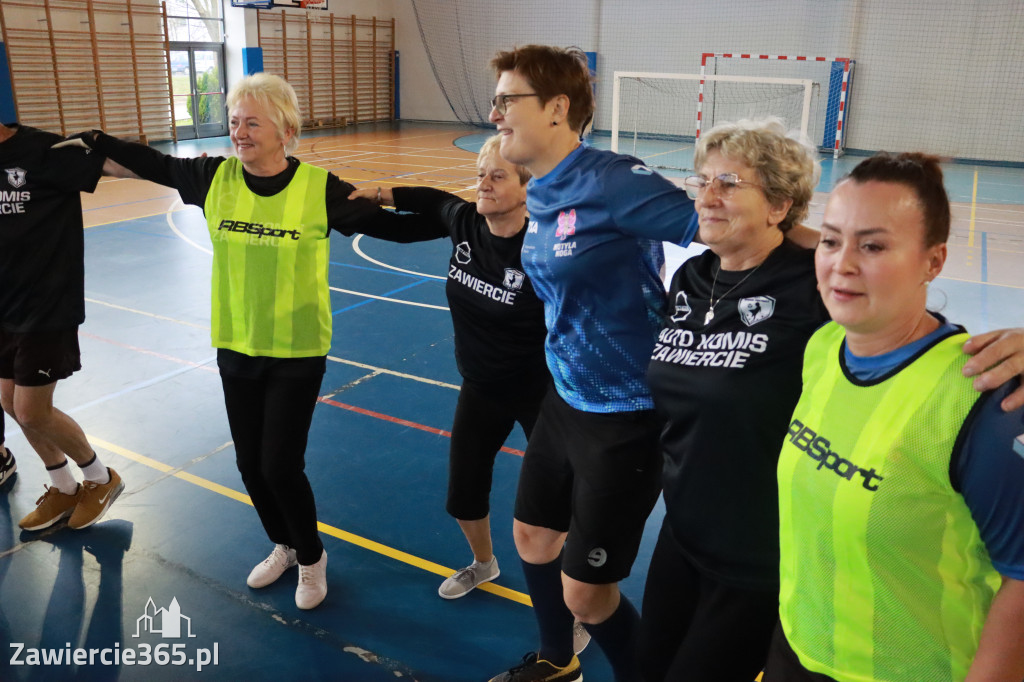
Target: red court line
170	358
328	401
403	422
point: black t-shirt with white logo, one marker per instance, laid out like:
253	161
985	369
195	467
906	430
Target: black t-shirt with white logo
728	390
42	272
498	319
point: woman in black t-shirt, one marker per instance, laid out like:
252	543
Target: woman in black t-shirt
726	372
499	338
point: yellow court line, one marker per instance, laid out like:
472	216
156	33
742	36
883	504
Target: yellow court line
391	372
974	205
351	538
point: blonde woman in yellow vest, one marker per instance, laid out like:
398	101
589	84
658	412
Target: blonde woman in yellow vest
269	217
901	496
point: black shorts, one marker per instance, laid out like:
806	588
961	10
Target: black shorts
39	358
484	417
595	476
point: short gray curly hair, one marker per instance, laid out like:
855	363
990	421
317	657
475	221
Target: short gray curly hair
787	164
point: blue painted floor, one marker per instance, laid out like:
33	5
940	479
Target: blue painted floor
150	400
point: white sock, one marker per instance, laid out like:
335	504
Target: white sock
95	471
62	479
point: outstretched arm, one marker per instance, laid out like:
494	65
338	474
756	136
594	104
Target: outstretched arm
116	170
807	237
1000	656
381	196
998	357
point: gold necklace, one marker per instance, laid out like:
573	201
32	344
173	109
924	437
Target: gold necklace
710	315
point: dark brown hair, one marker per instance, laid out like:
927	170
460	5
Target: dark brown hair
553	71
922	174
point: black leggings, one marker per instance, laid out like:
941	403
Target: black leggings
697	628
784	665
484	417
270	405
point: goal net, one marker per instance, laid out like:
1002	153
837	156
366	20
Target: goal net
658	116
833	77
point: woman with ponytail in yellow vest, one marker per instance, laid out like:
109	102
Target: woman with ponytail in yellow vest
901	495
269	217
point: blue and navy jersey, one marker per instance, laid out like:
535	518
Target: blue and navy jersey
596	224
986	469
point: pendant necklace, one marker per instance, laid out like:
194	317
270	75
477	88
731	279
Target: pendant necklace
710	315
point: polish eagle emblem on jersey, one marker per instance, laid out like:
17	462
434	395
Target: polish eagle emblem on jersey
756	309
513	279
17	177
683	308
566	224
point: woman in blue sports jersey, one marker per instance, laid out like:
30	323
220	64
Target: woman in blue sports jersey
900	490
591	473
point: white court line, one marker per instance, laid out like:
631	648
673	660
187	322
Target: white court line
175	230
355	247
332	358
392	300
142	312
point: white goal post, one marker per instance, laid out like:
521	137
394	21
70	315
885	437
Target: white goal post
657	106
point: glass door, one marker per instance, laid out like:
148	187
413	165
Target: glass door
197	82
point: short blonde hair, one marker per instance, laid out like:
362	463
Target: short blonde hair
278	99
492	146
787	164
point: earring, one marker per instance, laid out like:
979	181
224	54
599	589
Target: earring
554	123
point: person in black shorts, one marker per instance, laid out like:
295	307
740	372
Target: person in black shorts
499	338
42	304
591	474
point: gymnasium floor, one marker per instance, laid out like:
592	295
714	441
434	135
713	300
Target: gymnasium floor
183	532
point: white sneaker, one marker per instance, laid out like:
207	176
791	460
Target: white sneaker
460	584
271	568
312	584
580	637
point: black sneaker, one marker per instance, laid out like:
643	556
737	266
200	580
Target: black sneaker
534	669
7	466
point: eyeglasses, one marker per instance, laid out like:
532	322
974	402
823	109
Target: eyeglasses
725	185
500	103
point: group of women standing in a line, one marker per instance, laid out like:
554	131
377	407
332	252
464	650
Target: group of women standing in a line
897	497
